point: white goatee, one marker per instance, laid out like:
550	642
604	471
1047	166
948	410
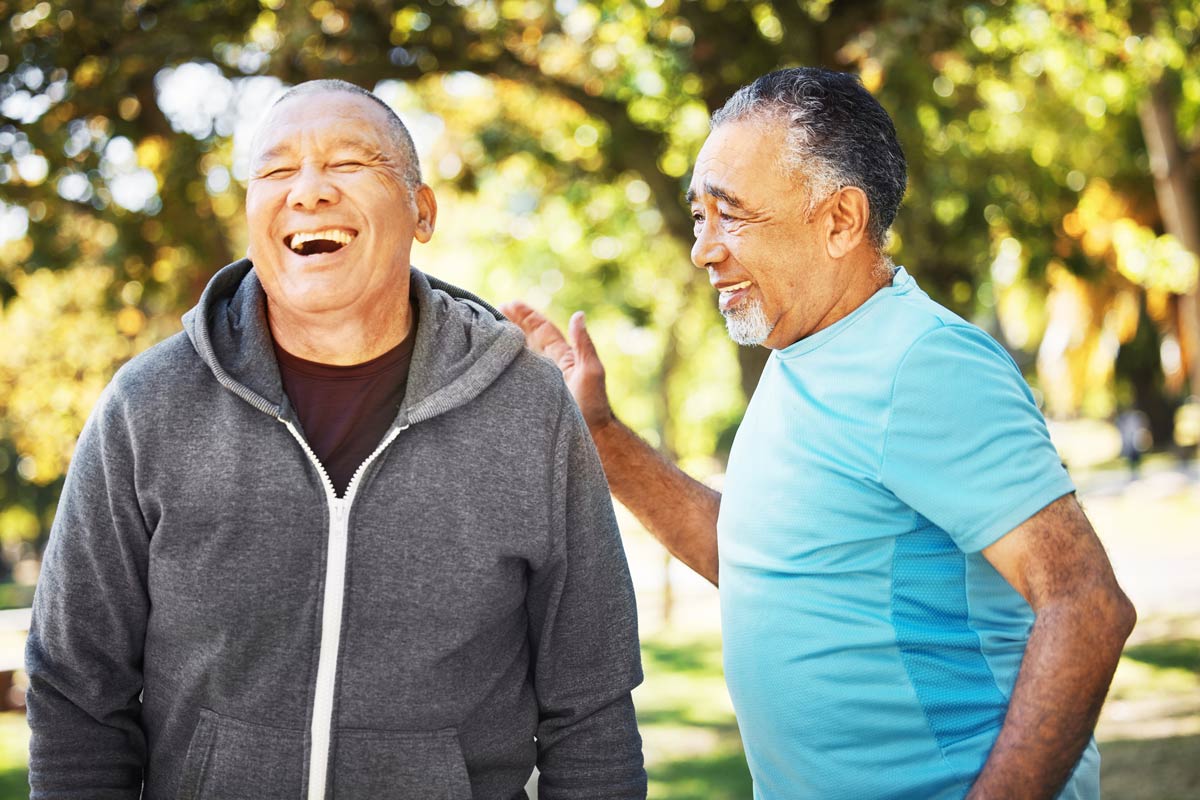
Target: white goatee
747	323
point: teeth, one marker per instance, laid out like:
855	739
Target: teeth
734	287
332	235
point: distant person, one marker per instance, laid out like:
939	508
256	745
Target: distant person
345	537
1134	427
913	604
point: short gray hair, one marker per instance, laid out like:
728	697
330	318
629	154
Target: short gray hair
837	135
401	139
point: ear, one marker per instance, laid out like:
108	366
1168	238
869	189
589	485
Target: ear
846	221
426	213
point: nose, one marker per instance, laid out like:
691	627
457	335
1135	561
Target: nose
310	188
708	249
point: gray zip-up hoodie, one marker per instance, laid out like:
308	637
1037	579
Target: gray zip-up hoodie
213	622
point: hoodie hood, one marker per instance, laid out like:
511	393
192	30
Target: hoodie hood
462	344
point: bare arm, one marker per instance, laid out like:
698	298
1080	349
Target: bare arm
1083	618
680	511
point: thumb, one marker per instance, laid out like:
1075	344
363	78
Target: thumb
582	339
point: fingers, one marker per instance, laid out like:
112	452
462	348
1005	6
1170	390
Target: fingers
540	333
520	314
544	337
580	365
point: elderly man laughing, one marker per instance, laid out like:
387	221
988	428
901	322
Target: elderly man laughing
344	537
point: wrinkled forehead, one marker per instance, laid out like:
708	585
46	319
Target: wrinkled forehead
742	155
321	119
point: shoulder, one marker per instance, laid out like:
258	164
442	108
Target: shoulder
917	331
141	394
538	371
533	383
161	373
957	352
172	358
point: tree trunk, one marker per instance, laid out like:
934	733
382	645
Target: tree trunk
1174	190
669	451
751	360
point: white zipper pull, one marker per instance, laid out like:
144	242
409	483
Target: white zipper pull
337	511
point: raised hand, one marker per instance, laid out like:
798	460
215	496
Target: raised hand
679	510
580	365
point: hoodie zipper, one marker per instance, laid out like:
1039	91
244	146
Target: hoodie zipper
331	608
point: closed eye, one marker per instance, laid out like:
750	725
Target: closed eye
347	165
727	214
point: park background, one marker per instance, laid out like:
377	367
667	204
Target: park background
1052	147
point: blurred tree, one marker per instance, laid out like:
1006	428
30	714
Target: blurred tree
117	164
562	134
1085	113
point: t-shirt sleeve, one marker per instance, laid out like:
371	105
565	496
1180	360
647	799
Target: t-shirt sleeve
966	446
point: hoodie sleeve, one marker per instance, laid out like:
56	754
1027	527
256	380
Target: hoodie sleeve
583	629
84	652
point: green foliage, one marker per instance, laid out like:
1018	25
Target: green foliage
558	136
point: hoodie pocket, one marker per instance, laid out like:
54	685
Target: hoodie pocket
234	760
400	765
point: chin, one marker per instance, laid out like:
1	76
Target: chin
747	324
311	300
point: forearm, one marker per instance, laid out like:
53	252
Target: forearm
1069	661
74	755
84	655
83	703
583	633
680	511
599	756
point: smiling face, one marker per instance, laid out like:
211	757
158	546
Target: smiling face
776	278
330	216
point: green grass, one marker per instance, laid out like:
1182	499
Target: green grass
1149	732
1151	769
15	595
14	783
1168	654
14	745
693	750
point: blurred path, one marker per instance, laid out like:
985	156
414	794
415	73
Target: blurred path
1151	527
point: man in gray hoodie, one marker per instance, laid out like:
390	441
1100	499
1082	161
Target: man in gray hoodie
344	536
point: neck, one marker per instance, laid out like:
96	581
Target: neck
866	273
341	339
869	272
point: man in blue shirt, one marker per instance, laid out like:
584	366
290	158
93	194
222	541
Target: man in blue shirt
913	604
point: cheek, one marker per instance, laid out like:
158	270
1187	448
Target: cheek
258	210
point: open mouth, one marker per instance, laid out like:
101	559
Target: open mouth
729	295
734	287
310	243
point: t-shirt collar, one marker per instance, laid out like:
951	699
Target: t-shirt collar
902	283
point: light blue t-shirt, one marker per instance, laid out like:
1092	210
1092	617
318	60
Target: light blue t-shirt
870	649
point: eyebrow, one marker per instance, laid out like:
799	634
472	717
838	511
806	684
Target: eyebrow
717	192
275	152
345	142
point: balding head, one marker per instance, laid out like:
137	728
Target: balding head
404	151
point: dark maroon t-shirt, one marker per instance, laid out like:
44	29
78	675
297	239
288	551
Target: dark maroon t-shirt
346	411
